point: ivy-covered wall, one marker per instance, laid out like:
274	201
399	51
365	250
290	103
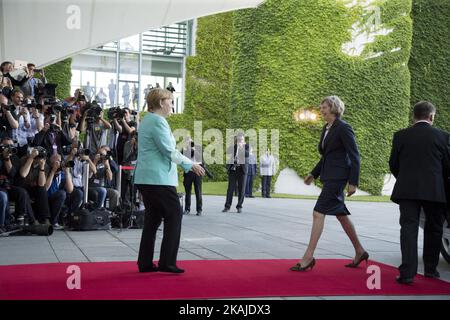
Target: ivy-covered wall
430	57
208	76
283	64
61	74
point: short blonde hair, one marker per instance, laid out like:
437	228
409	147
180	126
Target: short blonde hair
155	96
336	105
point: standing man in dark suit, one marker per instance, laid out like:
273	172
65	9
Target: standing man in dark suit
237	167
193	152
420	163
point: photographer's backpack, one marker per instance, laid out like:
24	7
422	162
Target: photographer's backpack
86	218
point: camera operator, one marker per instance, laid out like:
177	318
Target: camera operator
30	87
51	137
9	166
97	181
59	186
8	119
125	127
95	127
33	176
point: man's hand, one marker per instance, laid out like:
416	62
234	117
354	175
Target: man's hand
34	153
74	152
42	163
309	179
351	190
56	165
198	170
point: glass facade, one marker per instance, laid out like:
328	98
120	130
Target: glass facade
122	72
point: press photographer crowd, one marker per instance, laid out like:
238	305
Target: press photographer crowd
46	144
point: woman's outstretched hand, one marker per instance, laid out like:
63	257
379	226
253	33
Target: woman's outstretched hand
351	190
309	179
198	170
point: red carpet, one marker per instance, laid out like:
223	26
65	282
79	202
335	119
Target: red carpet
205	279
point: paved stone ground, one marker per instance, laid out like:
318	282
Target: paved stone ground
266	229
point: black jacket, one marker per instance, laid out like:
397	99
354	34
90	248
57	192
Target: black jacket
242	164
15	82
420	163
340	156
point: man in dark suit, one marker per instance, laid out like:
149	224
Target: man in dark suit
237	168
420	163
193	152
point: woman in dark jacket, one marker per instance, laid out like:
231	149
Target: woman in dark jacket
338	166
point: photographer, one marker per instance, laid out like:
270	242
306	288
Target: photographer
32	177
97	181
111	193
125	127
5	68
79	156
129	159
9	166
30	87
8	119
59	186
51	136
95	127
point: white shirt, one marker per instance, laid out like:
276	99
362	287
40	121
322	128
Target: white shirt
267	165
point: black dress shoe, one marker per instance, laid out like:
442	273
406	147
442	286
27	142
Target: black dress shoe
153	268
239	210
171	269
186	212
225	210
402	280
432	275
199	213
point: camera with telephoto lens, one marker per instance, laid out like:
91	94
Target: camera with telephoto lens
84	152
107	156
66	150
67	164
11	149
93	111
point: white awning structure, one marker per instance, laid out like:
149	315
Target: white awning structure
47	31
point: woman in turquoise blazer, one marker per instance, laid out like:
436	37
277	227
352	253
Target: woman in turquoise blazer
156	178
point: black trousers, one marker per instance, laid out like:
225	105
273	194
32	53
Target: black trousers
161	202
236	176
409	222
265	186
41	207
22	202
189	179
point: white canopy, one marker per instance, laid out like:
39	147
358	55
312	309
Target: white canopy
46	31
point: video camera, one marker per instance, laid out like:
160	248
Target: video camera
118	113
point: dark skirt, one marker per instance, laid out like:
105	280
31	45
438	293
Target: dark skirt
331	199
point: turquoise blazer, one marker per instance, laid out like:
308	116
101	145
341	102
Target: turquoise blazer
157	154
